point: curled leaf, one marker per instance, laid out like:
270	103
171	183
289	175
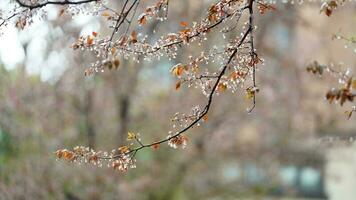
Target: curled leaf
177	70
142	19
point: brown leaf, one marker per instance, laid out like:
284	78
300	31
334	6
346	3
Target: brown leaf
61	12
155	146
90	40
178	84
116	63
142	20
348	114
93	158
205	118
133	38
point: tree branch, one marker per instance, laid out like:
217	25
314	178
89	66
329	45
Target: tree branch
64	2
207	106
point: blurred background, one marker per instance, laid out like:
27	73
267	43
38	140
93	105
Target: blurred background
294	145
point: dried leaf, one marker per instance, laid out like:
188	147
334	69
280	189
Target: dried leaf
348	114
59	153
178	84
222	87
113	50
116	63
142	20
328	7
205	118
133	37
178	69
68	155
234	76
61	12
124	149
105	14
155	146
90	40
93	158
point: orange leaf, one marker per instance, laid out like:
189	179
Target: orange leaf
142	20
90	40
105	14
183	24
124	149
222	87
68	155
133	38
113	50
177	69
59	153
205	117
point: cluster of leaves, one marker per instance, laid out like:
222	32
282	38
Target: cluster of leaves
328	7
154	12
120	159
346	92
342	94
264	8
